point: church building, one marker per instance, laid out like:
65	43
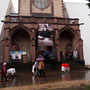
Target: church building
41	26
6	7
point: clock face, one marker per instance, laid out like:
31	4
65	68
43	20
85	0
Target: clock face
41	3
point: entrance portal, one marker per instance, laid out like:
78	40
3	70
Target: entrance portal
45	41
67	40
20	46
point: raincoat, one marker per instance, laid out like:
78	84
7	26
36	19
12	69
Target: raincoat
41	65
3	70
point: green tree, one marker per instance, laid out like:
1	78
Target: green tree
88	3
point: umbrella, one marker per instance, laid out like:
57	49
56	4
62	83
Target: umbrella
40	59
46	53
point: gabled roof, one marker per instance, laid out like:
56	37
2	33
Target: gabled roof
6	7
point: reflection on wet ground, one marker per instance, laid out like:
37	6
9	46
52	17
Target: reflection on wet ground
27	78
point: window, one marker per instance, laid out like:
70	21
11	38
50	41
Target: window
41	3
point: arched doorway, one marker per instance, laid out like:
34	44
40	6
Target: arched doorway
21	45
67	43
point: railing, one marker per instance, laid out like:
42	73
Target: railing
49	20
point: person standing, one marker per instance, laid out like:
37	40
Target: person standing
3	72
41	68
52	58
36	68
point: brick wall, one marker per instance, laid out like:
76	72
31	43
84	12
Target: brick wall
24	7
26	10
58	8
0	51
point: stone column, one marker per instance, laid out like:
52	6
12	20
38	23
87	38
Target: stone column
3	52
33	46
5	49
58	52
33	51
57	45
80	48
79	35
6	44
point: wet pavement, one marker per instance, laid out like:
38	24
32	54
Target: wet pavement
27	78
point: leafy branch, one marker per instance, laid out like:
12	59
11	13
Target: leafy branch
88	3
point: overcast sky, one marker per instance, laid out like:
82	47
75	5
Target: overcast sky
15	2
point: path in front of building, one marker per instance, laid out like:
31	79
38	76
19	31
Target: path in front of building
27	78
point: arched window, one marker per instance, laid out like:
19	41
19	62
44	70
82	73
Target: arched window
41	3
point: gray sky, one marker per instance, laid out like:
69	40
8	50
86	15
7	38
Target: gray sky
15	2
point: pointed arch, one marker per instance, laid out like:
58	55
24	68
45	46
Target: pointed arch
68	39
69	29
18	28
21	39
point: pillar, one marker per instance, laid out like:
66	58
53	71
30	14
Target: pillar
57	45
33	45
5	50
33	50
6	44
80	48
58	52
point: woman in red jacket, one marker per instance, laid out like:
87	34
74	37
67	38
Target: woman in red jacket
3	72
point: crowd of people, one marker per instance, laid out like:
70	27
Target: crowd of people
69	55
4	72
39	65
42	58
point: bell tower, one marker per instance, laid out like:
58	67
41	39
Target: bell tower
39	8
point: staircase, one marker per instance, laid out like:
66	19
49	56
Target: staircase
21	66
74	65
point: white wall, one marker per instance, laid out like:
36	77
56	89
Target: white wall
5	8
15	3
81	11
84	1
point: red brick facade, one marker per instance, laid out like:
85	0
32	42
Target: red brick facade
20	32
62	27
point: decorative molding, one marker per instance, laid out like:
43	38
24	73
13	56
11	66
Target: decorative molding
30	7
36	20
62	8
52	9
19	7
